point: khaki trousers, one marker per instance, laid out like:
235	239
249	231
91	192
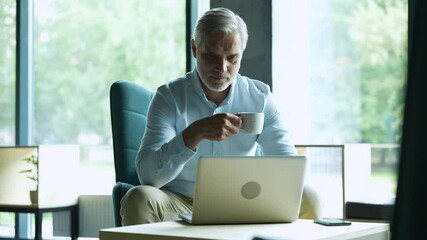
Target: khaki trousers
147	204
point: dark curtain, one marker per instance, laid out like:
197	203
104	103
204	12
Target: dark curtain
410	214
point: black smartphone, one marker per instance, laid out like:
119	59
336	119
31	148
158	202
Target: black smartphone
332	222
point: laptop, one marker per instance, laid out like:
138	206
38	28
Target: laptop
237	190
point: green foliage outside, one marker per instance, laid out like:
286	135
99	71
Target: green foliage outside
85	46
7	70
374	33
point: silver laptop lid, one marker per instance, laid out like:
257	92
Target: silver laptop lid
248	189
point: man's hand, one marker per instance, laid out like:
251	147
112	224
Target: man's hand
218	127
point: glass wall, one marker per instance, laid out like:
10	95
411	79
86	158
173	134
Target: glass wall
80	48
339	71
7	71
7	90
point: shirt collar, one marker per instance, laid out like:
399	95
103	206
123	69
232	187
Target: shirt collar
197	85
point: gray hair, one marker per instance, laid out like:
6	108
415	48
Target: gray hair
220	20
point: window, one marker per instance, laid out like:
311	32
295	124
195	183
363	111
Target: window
80	48
7	89
7	71
339	70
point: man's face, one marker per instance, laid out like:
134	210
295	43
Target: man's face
219	60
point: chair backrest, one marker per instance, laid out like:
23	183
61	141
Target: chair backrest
129	106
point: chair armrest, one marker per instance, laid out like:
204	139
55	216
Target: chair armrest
119	190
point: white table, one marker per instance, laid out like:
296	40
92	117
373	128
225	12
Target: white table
301	229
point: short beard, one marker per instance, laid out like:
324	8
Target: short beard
217	87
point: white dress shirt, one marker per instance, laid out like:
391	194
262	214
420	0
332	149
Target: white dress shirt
163	160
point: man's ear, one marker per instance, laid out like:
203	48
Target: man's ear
193	48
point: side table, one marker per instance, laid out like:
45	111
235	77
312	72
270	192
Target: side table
38	213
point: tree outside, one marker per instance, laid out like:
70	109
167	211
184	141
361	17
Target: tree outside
7	71
82	46
362	96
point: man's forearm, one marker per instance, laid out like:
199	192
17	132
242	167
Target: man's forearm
191	137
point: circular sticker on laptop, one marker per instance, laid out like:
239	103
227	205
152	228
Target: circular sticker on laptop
251	190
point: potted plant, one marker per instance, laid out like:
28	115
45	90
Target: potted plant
33	175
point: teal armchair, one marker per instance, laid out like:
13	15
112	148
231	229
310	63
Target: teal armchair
129	106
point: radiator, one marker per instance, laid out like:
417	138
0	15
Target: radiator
95	213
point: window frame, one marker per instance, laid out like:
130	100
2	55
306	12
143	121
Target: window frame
24	113
24	104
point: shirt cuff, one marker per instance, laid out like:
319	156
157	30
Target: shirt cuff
181	145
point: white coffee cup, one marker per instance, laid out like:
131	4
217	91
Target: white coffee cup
252	122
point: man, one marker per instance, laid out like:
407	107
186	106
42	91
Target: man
197	115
